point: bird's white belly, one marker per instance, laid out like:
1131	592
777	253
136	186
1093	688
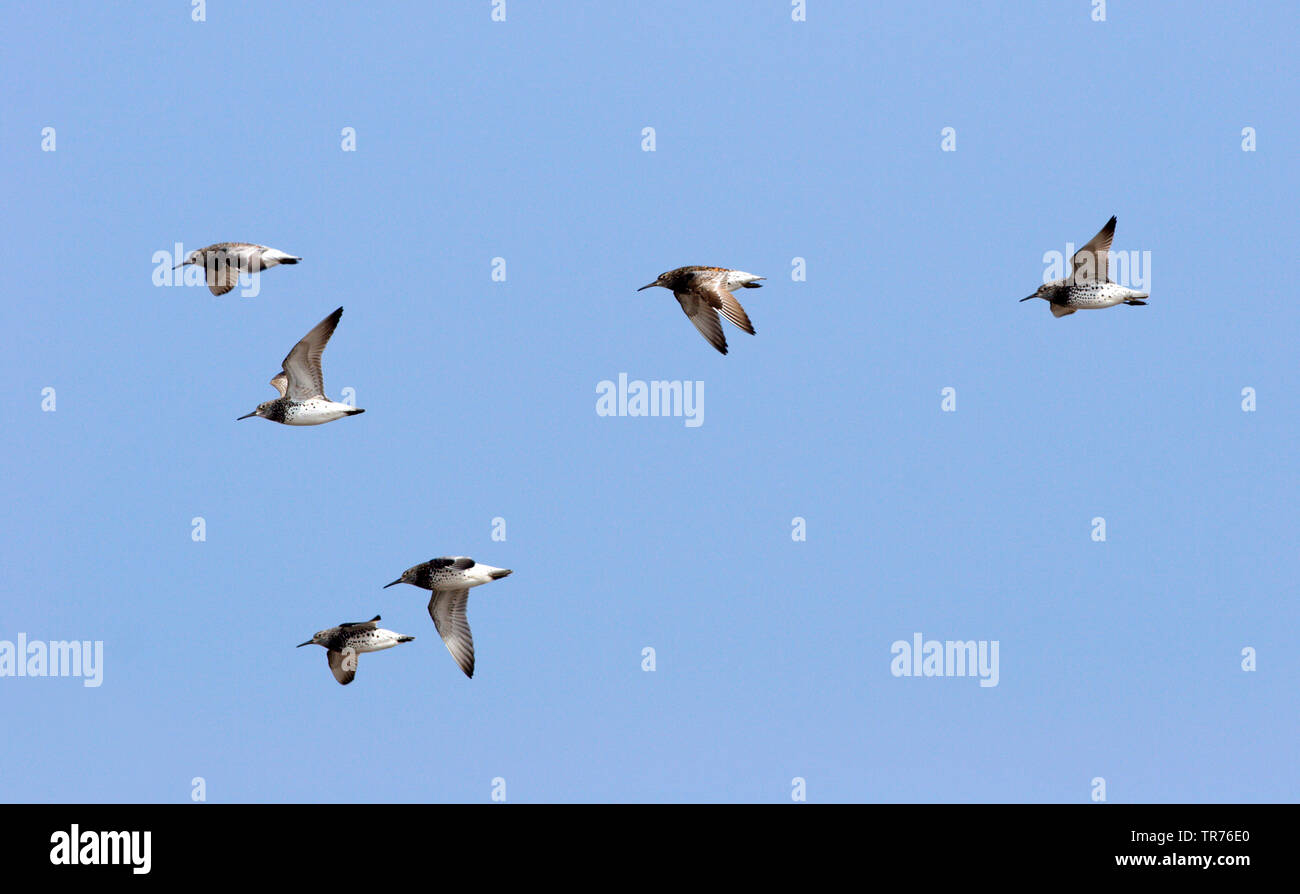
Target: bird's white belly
316	412
1099	295
460	580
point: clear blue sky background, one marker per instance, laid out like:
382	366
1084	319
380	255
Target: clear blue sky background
775	140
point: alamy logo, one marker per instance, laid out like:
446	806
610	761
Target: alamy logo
656	398
59	658
77	848
1131	269
952	658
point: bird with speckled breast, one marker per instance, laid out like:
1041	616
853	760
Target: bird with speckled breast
450	579
345	643
301	384
1088	286
703	292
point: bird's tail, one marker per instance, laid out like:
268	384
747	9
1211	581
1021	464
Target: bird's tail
500	573
1137	298
404	639
275	256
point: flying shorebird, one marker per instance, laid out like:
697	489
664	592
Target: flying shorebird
1087	286
346	642
302	399
224	262
703	291
450	578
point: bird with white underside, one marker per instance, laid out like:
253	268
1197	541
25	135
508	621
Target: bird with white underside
224	261
301	383
450	579
1088	286
345	643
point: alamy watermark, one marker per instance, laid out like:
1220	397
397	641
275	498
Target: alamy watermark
950	658
91	848
655	398
59	658
1131	269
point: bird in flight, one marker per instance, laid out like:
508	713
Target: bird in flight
345	643
1088	286
302	399
450	578
703	292
224	261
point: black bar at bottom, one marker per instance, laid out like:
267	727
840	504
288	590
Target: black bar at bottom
381	843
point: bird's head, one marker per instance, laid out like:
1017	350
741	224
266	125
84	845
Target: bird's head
194	257
661	280
319	638
409	576
1050	290
263	410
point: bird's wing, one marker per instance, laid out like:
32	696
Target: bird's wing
280	382
447	608
1060	310
223	275
705	318
717	295
302	365
371	624
343	664
1090	263
460	563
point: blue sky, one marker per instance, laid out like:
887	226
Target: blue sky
774	140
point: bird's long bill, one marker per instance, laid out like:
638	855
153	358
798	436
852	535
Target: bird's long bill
386	586
1023	300
300	645
643	288
246	415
